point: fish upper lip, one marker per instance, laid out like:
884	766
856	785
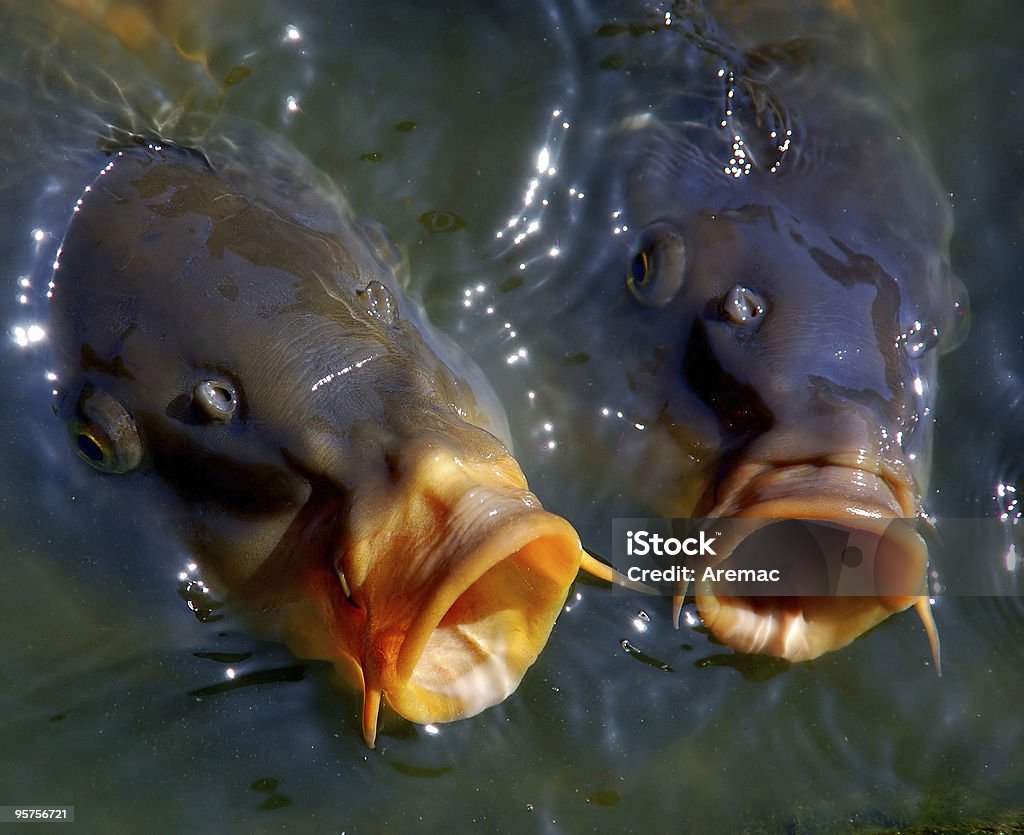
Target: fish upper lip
751	476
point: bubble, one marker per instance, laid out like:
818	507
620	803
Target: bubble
919	338
380	302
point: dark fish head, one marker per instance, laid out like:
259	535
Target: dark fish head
799	313
333	471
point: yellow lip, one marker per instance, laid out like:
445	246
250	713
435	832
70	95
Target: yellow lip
802	628
799	628
457	575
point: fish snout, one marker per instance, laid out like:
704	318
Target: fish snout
846	542
460	574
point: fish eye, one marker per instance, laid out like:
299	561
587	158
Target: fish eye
104	433
639	270
742	306
657	268
215	399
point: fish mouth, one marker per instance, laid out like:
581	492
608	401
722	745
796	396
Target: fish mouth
456	575
876	508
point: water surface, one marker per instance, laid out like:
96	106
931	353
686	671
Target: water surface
118	700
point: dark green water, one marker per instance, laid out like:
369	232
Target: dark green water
113	696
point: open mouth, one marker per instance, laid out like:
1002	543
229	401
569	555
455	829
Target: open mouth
485	622
457	575
879	567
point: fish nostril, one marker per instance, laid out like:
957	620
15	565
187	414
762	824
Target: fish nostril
742	306
215	399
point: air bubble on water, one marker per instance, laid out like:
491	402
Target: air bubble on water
919	338
380	302
1010	512
197	595
1008	504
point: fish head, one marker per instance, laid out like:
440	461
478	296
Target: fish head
803	336
331	470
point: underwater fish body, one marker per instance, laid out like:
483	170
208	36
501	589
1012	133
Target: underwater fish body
236	333
788	289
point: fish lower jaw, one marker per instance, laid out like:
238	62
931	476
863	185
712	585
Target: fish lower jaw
794	629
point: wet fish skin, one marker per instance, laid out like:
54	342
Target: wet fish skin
792	290
330	469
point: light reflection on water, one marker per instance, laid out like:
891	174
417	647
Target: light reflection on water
617	724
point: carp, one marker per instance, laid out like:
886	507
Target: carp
233	330
786	291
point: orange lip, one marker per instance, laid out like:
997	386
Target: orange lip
452	577
802	628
